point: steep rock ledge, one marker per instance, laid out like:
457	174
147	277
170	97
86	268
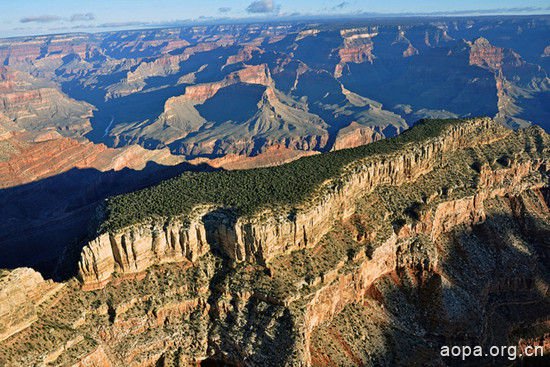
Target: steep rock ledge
427	261
21	292
136	248
399	251
260	238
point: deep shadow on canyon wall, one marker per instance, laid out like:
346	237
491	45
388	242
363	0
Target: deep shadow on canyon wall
43	219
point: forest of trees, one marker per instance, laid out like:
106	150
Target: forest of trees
247	191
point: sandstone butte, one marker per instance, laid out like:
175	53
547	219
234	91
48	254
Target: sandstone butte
442	242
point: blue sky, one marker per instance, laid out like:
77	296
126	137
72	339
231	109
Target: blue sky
22	17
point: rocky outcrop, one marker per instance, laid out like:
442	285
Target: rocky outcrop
246	147
353	287
35	105
21	293
260	238
484	54
277	121
58	46
357	48
28	107
356	135
265	236
139	247
135	79
470	210
273	156
244	54
448	245
421	270
514	78
50	154
426	245
250	75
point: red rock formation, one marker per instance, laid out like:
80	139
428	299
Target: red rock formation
484	54
53	47
243	55
338	299
174	45
357	54
258	74
273	156
356	135
21	292
273	235
32	104
357	48
51	155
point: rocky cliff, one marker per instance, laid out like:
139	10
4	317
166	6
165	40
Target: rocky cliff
262	237
26	158
401	253
22	291
514	77
357	48
249	75
162	87
32	104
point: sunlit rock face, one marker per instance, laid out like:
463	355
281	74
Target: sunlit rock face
162	87
442	242
360	264
138	100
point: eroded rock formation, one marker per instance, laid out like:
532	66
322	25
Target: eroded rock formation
22	291
420	246
25	159
260	238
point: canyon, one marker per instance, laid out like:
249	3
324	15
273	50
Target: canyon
406	246
301	193
302	86
126	104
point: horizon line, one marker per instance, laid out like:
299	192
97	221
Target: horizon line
140	26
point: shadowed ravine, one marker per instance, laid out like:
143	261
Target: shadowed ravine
45	218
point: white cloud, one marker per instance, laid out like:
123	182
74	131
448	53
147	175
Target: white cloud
261	6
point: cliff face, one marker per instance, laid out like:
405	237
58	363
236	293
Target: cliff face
249	75
21	293
356	135
486	55
439	286
32	104
513	76
416	249
137	248
170	73
261	238
265	118
50	154
357	48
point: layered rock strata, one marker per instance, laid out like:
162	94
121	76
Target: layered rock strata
427	258
21	293
260	238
